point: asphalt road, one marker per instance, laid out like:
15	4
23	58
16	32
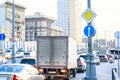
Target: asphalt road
103	71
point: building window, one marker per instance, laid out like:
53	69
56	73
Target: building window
43	23
35	34
39	24
27	25
18	28
31	23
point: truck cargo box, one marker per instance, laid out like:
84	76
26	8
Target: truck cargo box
56	52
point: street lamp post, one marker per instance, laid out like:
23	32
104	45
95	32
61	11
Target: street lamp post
13	38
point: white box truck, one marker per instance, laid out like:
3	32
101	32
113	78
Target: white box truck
57	56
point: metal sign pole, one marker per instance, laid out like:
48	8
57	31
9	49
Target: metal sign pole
118	56
117	36
13	43
89	31
91	65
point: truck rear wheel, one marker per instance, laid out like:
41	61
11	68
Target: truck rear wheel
65	78
48	78
73	72
73	75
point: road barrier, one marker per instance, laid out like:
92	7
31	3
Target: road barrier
114	74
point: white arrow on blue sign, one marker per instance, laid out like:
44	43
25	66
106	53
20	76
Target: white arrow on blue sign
117	34
2	36
89	31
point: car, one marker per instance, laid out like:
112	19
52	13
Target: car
31	61
96	58
110	56
19	72
116	56
111	60
3	60
26	54
81	64
19	53
31	54
103	58
8	54
85	56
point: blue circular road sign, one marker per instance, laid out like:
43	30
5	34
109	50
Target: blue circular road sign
89	31
2	36
117	34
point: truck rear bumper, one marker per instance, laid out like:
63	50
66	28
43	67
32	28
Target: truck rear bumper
56	76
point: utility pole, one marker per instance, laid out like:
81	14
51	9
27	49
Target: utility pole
13	37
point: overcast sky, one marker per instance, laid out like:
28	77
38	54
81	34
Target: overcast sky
107	19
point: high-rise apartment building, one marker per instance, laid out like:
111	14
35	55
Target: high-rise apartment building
69	18
6	21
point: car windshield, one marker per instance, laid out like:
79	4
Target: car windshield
101	57
28	61
84	56
78	60
11	68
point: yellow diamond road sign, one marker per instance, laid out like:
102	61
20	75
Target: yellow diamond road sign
88	15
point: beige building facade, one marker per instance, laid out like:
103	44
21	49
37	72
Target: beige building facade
40	25
69	18
6	21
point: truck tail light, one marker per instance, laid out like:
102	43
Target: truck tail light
16	77
40	70
63	70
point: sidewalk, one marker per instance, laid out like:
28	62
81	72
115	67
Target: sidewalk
104	77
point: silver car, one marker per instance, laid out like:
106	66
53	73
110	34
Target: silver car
81	64
19	72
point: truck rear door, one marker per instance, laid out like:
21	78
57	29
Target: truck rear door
43	52
60	51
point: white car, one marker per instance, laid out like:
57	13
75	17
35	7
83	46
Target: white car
19	72
8	54
31	54
3	60
19	53
31	61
